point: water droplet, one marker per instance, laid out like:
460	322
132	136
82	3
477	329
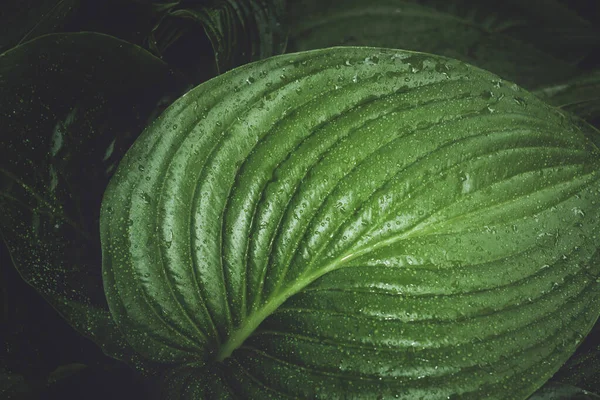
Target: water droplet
169	239
373	60
487	94
520	101
146	197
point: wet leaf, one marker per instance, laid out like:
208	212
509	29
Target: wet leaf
355	222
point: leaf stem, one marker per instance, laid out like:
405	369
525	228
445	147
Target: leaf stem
250	325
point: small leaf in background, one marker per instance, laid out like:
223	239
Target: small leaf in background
22	20
473	38
355	221
239	31
580	95
70	106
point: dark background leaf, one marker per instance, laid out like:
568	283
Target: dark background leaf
239	31
198	38
550	25
65	125
21	20
580	96
457	29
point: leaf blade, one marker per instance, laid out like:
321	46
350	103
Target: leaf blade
291	193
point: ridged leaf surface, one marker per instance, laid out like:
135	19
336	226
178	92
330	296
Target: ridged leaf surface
355	223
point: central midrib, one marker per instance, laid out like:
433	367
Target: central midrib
255	319
250	325
247	327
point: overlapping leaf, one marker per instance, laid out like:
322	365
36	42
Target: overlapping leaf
23	20
580	96
551	26
239	31
64	126
476	39
355	222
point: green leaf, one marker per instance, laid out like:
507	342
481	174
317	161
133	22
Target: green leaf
477	39
65	125
239	31
22	20
548	25
557	28
355	222
580	96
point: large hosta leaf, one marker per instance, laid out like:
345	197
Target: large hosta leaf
355	222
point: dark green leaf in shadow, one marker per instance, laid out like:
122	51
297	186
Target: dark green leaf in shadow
583	368
13	386
129	20
239	31
22	20
548	25
65	371
70	106
407	25
556	28
562	391
580	96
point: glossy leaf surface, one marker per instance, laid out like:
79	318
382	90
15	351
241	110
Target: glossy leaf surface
355	222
